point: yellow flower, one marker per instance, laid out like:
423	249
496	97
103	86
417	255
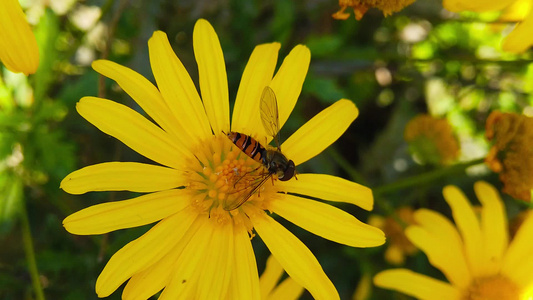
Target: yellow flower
361	6
198	250
431	140
268	283
512	152
475	255
18	46
521	38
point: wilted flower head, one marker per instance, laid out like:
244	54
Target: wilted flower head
431	140
512	152
361	6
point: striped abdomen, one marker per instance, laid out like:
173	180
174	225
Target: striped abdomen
248	145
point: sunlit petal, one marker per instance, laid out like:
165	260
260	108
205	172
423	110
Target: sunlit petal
217	267
468	225
18	46
294	256
417	285
177	88
476	5
493	225
439	239
110	216
327	221
517	262
329	188
133	130
183	282
244	282
320	132
257	74
521	38
149	281
288	81
213	78
143	252
288	289
270	277
144	93
122	176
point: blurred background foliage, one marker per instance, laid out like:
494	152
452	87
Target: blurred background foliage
421	60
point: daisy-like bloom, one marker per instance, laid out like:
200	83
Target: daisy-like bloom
198	250
18	46
512	152
431	140
288	289
388	7
521	38
475	255
398	245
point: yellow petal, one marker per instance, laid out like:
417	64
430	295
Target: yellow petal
122	176
111	216
288	81
320	132
441	242
213	78
521	38
416	285
177	88
245	281
270	277
327	221
517	262
217	267
476	5
18	46
143	252
144	93
133	130
515	12
183	283
144	284
493	225
329	188
257	74
288	289
295	257
468	225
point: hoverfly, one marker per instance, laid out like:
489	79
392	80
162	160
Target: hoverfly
272	160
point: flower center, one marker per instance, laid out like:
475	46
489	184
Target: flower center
222	178
492	288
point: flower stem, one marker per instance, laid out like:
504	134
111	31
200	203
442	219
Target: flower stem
424	178
30	254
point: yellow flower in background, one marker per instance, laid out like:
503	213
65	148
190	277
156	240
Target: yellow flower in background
431	140
388	7
398	245
512	152
521	38
18	46
475	254
288	289
198	250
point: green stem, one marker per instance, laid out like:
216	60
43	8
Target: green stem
30	254
424	178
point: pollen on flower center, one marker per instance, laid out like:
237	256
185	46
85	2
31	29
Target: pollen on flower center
492	288
221	176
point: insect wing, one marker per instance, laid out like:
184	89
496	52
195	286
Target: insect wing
248	192
269	113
